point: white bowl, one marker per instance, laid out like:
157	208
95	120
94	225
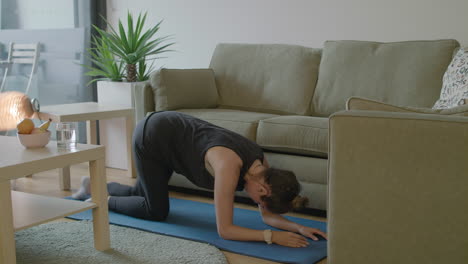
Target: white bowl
37	140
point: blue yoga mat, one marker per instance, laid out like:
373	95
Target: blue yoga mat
196	221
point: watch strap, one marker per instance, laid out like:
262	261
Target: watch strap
267	234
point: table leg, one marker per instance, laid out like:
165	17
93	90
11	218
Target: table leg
130	125
91	133
7	230
64	178
99	197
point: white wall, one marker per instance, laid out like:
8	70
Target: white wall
198	25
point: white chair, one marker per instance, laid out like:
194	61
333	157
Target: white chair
21	54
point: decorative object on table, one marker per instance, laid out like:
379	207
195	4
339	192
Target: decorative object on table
127	49
34	140
66	135
73	244
14	107
33	137
455	82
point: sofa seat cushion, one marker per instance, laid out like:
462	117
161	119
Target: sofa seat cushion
303	135
242	122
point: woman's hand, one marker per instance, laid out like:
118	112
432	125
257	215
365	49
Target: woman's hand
311	232
288	239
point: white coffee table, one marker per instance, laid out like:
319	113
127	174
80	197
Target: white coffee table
91	112
23	210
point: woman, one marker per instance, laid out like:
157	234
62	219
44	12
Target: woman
210	157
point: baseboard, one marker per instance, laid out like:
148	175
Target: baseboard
244	200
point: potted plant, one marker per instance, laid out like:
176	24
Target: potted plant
121	70
132	46
121	58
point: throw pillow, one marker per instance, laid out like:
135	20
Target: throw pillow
455	82
184	88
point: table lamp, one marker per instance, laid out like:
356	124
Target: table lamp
14	107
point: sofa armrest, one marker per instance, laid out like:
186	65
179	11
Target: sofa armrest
398	188
184	88
143	101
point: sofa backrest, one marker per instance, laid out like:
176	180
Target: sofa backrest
270	78
401	73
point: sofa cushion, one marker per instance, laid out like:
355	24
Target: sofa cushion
242	122
302	135
184	88
402	73
271	78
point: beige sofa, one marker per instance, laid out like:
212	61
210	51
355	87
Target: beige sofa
281	96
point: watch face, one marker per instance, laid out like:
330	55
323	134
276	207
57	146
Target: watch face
35	105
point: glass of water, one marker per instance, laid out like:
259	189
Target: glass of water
66	135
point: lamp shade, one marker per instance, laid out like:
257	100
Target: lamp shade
14	107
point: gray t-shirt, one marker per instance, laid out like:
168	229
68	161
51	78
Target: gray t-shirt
183	140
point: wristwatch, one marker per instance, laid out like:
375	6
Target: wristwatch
267	236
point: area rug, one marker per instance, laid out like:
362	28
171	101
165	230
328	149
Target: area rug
196	221
72	242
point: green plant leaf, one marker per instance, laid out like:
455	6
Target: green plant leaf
131	36
123	37
139	26
130	45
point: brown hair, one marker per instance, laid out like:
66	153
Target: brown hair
284	191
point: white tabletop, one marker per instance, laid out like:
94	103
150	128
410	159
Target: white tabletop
17	161
83	111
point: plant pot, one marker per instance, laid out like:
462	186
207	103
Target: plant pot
112	131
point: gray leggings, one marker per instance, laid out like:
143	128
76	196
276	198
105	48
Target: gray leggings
149	198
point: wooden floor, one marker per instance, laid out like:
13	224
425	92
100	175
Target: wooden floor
46	183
